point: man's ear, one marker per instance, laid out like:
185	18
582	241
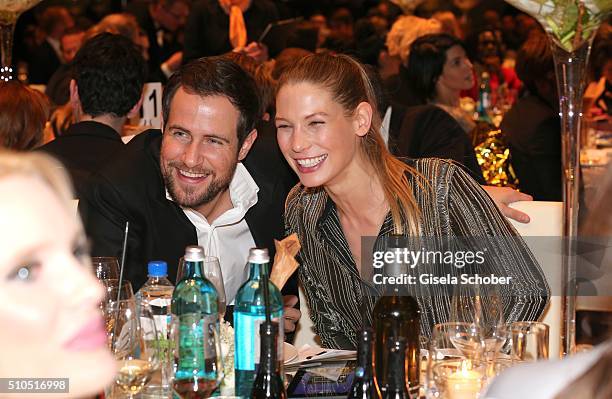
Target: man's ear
247	144
363	119
136	108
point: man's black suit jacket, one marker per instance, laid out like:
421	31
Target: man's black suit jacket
132	189
84	149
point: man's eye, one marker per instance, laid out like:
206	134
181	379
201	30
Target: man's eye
214	141
180	135
315	123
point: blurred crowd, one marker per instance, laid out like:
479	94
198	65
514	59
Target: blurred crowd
426	56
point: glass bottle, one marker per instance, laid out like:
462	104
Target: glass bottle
196	324
396	376
397	315
249	313
365	385
484	98
268	383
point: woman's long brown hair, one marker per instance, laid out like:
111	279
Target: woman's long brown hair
348	82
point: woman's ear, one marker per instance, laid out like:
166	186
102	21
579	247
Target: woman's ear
363	118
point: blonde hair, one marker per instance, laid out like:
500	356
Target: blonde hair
39	166
348	82
405	31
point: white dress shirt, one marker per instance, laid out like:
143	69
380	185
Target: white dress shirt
228	237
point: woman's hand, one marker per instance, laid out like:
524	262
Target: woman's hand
504	196
291	315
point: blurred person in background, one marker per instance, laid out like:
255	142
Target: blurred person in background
532	127
215	27
58	87
109	73
394	60
163	22
23	114
598	95
49	295
47	57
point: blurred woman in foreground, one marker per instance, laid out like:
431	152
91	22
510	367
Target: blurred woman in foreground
49	297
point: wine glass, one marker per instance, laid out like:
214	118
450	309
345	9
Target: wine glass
10	10
530	340
483	307
212	271
106	267
456	343
197	354
135	346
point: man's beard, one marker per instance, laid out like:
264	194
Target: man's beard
189	197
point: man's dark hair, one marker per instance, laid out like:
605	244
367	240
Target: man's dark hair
110	72
217	76
534	62
426	63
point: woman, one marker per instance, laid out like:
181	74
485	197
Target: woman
351	187
438	69
52	327
23	114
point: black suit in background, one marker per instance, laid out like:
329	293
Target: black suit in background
157	54
533	130
43	64
427	131
84	149
207	30
132	189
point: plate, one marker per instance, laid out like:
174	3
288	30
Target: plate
290	352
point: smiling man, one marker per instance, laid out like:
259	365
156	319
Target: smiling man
188	185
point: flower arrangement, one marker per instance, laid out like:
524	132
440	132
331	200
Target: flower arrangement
571	22
226	332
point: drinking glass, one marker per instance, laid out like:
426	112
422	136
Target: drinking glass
197	355
483	307
114	292
456	345
212	271
106	267
529	341
135	346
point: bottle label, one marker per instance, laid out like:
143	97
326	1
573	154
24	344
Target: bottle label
198	334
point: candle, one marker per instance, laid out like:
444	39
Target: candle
464	384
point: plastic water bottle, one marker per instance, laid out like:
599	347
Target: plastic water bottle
157	293
249	314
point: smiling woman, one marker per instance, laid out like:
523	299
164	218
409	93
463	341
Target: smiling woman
48	295
351	186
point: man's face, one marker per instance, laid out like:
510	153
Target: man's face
199	150
70	45
174	17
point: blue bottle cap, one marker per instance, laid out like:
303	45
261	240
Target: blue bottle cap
158	268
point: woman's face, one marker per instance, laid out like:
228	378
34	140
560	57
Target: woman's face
318	139
51	325
457	73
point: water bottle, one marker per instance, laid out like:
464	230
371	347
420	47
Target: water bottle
195	318
249	314
157	293
484	98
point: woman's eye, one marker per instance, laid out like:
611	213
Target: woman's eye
282	126
81	251
25	272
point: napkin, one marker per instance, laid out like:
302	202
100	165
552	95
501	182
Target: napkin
284	260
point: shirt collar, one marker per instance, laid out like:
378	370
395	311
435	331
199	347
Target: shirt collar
243	189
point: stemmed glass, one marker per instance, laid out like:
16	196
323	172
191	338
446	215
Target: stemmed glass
455	351
106	267
10	10
135	346
198	357
212	271
484	308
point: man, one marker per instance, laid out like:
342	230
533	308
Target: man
162	21
188	186
215	27
109	74
58	87
47	57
